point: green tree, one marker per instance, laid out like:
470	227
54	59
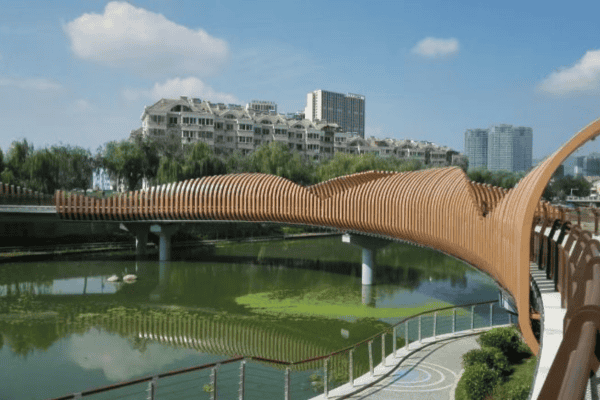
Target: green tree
124	160
344	164
276	158
563	187
16	157
198	160
1	161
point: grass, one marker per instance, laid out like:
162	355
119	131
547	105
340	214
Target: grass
521	376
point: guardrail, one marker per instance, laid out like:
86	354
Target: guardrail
257	377
573	262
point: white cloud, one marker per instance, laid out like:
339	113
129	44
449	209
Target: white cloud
583	76
31	83
145	42
435	47
82	106
173	88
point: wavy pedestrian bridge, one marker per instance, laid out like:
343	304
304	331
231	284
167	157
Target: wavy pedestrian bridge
489	228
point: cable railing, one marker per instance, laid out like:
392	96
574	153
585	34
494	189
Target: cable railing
571	258
252	377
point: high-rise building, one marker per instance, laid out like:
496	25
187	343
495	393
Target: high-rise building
509	148
346	110
476	147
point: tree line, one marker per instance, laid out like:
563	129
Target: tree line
159	161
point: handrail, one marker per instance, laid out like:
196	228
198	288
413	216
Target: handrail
288	364
575	268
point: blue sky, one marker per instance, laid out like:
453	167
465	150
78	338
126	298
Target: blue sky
80	72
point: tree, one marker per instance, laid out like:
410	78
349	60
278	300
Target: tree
124	160
1	161
198	160
16	158
344	164
563	187
276	158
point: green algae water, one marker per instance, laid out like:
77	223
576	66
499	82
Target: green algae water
65	327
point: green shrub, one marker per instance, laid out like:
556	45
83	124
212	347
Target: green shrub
479	381
490	356
507	340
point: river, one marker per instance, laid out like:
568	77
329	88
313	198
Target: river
64	327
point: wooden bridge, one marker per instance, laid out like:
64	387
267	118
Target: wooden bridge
487	227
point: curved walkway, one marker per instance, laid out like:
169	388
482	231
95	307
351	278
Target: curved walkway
427	370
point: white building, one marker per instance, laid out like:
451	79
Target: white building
346	110
229	128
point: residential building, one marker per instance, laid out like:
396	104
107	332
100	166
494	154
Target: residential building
476	147
346	110
229	128
262	106
501	147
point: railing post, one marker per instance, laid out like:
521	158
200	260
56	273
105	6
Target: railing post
383	349
434	323
351	367
406	340
152	388
453	320
213	381
243	379
472	317
371	357
394	338
287	385
420	328
325	378
491	314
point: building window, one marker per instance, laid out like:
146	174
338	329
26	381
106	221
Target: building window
265	131
219	125
229	127
172	120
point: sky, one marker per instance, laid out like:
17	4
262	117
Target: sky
81	72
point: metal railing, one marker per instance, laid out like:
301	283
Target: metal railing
257	377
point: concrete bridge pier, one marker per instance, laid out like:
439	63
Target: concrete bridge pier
140	230
164	231
369	246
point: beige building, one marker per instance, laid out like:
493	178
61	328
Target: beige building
229	128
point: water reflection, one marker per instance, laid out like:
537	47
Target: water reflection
283	300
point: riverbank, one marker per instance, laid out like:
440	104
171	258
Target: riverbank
39	253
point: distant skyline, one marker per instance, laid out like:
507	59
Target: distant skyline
81	73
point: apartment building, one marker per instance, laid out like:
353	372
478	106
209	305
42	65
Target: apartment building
501	147
229	128
346	110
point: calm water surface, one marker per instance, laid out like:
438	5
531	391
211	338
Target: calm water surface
65	328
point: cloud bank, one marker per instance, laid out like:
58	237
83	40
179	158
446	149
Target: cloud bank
173	88
583	76
144	42
435	48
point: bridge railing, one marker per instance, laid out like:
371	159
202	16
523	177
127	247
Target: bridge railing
571	258
251	376
16	195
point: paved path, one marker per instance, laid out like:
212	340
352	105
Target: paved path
429	373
